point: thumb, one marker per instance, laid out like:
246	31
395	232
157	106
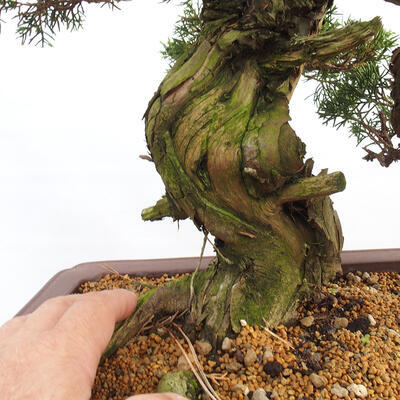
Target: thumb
157	396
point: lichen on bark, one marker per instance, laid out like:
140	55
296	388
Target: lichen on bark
219	134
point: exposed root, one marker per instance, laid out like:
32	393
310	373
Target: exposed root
168	300
220	255
164	323
197	268
146	326
216	378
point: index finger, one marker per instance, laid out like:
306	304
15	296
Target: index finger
120	302
93	315
115	305
89	322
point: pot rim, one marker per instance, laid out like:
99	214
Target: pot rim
68	280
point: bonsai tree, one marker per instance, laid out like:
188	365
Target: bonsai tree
218	132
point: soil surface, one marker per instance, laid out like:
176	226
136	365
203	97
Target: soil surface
344	343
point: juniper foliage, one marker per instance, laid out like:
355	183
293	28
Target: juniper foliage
186	32
38	21
354	91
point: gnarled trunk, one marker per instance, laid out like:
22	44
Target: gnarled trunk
218	132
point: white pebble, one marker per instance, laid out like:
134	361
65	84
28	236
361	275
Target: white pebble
365	276
274	395
226	344
259	394
239	388
358	390
339	391
183	365
371	320
243	322
267	354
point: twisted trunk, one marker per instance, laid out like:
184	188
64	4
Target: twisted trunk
218	132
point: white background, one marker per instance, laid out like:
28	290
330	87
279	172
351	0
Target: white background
72	185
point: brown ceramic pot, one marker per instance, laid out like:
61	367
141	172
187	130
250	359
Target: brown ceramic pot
68	280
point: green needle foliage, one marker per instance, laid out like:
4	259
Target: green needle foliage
187	30
354	91
38	21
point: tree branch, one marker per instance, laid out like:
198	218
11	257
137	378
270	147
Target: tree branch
396	2
162	209
316	49
316	186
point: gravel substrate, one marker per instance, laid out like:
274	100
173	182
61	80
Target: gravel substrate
345	343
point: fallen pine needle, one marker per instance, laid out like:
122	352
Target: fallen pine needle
196	360
110	269
196	374
276	336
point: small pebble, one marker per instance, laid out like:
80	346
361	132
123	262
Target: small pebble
358	390
317	381
183	365
233	366
226	344
267	355
239	356
307	321
274	395
393	332
243	323
371	320
365	276
240	388
250	358
203	347
339	391
273	368
350	277
259	394
340	323
373	280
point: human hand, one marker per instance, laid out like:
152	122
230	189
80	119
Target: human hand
54	352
